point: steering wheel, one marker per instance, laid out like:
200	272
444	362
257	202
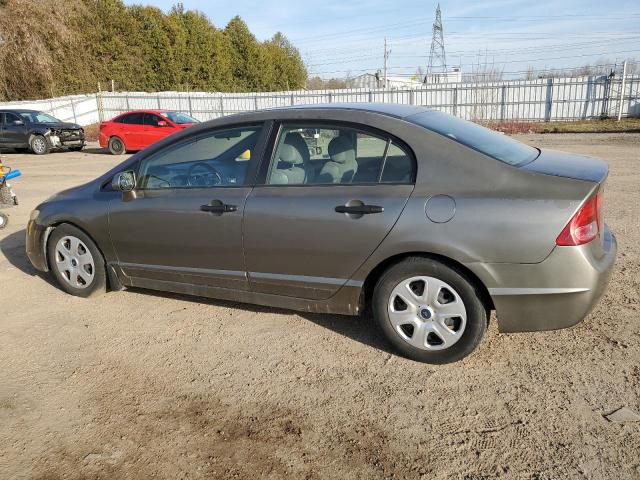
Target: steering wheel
217	178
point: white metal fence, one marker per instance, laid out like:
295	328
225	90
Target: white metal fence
563	99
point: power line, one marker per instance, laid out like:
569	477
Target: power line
466	53
512	61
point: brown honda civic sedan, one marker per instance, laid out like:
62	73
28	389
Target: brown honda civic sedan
427	221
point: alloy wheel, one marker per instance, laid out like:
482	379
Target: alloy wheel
39	145
427	313
74	262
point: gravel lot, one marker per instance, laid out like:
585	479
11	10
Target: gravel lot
137	384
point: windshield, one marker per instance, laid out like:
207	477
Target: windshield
39	117
493	144
180	118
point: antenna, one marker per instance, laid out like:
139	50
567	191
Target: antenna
437	58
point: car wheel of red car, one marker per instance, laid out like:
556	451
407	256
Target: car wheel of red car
116	146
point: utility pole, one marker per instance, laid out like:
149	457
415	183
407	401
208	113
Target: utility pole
622	87
386	57
437	59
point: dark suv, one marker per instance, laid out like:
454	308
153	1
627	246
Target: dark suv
38	132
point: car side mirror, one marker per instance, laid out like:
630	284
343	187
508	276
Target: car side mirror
162	123
124	181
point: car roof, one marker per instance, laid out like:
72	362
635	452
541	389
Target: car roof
20	110
147	110
389	109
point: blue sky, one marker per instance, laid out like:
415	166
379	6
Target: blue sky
339	37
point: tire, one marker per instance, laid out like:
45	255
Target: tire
39	145
116	146
75	272
4	221
445	317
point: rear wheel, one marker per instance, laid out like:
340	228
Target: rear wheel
428	311
76	262
116	146
39	145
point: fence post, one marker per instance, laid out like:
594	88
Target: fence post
502	102
412	97
293	99
370	96
73	109
221	105
549	103
455	101
330	97
126	99
100	106
255	102
622	87
158	99
189	100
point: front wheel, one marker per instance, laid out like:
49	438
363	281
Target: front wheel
75	261
428	311
39	145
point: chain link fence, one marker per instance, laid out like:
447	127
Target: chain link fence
552	99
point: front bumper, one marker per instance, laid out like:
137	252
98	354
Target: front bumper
35	245
66	139
556	293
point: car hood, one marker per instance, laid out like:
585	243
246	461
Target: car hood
59	126
569	165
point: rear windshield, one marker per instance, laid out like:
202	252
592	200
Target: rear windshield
493	144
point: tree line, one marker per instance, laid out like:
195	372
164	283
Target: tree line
69	47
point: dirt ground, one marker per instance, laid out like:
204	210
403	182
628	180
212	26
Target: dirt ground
137	384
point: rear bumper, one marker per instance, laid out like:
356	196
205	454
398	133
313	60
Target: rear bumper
556	293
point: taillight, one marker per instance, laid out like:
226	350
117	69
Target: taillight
585	224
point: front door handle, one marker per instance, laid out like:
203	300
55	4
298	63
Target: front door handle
217	206
359	209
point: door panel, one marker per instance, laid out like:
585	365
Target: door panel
296	244
133	131
183	223
165	234
12	134
151	132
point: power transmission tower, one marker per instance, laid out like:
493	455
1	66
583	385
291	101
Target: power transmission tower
437	59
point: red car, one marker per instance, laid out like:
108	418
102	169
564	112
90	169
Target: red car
138	129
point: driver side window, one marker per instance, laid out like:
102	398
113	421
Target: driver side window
215	159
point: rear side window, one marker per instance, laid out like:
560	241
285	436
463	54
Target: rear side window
493	144
132	119
398	165
317	154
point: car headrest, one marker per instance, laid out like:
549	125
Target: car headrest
289	154
294	149
341	150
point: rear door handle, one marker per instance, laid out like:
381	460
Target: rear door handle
359	209
216	206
